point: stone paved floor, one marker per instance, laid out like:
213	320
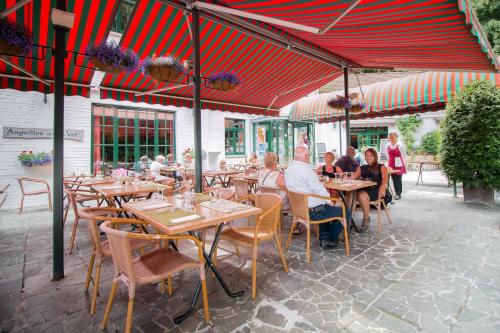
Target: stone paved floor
436	269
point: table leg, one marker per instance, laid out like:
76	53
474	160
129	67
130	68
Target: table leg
349	206
208	263
420	177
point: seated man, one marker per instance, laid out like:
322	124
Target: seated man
156	167
347	163
300	177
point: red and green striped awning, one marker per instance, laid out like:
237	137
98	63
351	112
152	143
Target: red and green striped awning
418	34
416	93
266	70
93	20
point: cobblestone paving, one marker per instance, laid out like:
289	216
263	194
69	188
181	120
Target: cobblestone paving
436	269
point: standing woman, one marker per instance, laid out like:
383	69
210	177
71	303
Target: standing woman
397	158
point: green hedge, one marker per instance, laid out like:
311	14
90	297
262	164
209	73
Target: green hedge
471	136
430	143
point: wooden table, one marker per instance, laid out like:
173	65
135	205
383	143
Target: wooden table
421	164
253	180
343	187
222	175
123	193
210	218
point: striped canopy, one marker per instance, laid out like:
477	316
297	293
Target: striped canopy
418	34
416	93
93	20
272	77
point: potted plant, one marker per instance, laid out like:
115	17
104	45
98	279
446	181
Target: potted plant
224	81
109	57
470	146
29	159
341	103
164	68
14	39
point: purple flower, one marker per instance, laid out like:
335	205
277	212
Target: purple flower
340	102
112	54
15	35
230	77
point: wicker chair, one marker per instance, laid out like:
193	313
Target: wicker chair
265	229
300	210
82	193
151	267
378	203
102	249
23	180
241	187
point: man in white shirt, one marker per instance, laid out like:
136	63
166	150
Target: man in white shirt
300	177
156	167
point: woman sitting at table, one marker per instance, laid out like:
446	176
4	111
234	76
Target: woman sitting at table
156	167
328	169
253	159
375	172
272	177
188	161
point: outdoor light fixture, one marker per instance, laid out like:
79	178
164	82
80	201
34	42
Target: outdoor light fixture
62	18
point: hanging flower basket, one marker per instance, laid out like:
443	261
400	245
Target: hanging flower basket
357	107
29	159
224	81
164	69
339	103
14	40
111	58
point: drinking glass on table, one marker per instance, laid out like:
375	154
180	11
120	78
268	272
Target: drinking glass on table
327	178
349	177
338	177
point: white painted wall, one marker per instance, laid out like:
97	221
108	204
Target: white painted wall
27	109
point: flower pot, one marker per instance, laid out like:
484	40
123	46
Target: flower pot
104	67
222	85
8	48
356	109
164	73
479	195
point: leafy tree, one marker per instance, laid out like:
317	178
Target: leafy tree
431	143
407	127
471	136
488	14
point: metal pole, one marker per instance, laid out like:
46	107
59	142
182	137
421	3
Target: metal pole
58	145
347	121
197	99
455	194
340	137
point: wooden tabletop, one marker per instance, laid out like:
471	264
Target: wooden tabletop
117	190
355	185
426	162
251	178
96	181
215	173
210	217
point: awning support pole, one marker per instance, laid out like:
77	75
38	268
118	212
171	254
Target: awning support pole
58	145
19	68
340	137
12	9
347	121
197	100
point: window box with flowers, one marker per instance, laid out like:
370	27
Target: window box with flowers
29	159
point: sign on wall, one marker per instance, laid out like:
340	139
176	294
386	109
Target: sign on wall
39	133
383	149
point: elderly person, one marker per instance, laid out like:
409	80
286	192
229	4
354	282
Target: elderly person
377	173
300	177
142	164
253	159
396	152
347	163
188	160
272	177
156	166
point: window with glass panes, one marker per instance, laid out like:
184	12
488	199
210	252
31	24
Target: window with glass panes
120	136
122	15
234	136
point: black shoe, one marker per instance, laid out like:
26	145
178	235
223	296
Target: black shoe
397	197
328	244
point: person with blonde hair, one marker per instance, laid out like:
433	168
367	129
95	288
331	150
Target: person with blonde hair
396	152
272	177
253	159
328	169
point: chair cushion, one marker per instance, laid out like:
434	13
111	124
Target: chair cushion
160	263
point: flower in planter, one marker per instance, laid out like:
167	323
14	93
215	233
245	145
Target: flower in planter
223	80
164	68
14	39
339	102
28	158
111	58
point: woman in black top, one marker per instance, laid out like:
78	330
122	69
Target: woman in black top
328	169
375	172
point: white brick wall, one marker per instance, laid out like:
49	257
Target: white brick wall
27	109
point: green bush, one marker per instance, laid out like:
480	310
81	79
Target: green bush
471	136
407	126
430	143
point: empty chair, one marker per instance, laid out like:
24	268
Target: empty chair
300	211
265	229
152	267
27	180
101	249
